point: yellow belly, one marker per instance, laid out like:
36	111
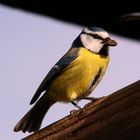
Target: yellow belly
77	77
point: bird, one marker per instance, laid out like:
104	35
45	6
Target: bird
72	78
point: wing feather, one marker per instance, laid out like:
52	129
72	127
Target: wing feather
56	70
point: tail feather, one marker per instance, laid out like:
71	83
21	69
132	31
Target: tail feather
31	122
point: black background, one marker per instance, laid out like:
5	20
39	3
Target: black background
88	13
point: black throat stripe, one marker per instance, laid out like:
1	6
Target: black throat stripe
96	78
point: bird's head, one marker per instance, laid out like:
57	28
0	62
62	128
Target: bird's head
96	40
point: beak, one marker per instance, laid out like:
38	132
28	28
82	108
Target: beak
109	42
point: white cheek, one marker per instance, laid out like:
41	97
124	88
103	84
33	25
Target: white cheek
91	44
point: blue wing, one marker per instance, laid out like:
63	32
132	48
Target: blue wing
56	70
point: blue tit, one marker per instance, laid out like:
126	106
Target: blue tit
73	77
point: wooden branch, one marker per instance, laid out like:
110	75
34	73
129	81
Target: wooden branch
114	117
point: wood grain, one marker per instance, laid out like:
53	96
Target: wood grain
114	117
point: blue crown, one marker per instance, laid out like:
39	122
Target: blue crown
96	29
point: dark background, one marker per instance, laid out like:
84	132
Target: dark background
88	13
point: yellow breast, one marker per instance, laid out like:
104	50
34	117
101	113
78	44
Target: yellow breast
78	76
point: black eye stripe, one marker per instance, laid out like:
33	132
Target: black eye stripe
95	36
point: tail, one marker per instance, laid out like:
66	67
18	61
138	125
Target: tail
31	122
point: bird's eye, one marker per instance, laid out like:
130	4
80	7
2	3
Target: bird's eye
95	36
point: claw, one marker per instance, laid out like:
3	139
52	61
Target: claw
73	111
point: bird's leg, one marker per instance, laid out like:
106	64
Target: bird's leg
76	105
93	99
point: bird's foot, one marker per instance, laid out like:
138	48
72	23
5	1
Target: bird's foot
72	112
75	110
